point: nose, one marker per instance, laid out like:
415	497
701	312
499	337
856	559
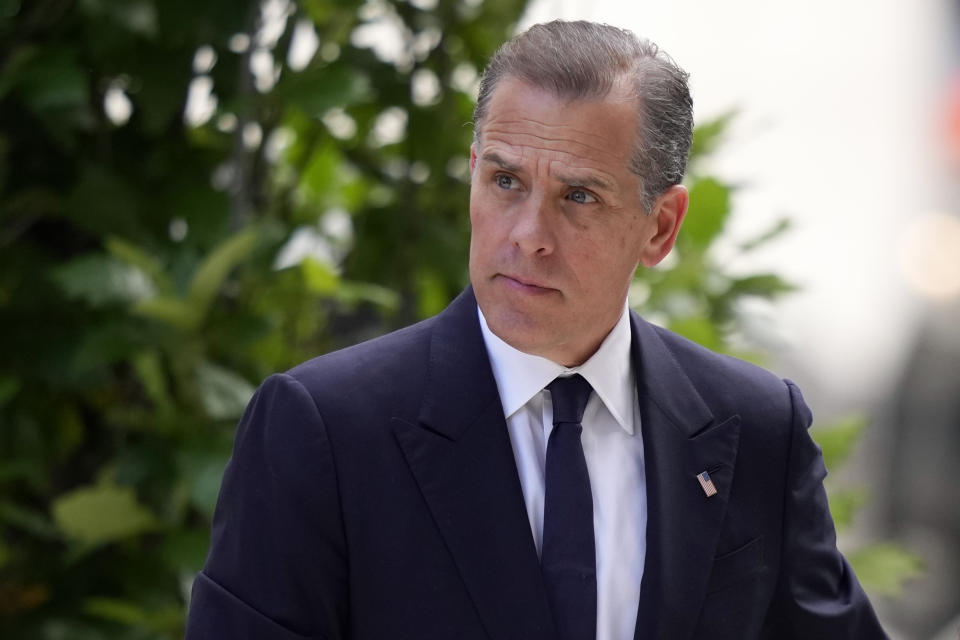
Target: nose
532	230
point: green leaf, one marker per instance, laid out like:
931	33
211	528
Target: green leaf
844	504
838	439
203	472
206	486
709	208
98	514
708	135
883	568
224	394
352	292
778	228
316	89
122	611
431	293
150	371
216	267
170	311
321	175
697	328
764	285
140	259
319	277
102	280
186	550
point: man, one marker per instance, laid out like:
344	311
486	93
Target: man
537	461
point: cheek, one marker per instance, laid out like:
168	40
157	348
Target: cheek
630	243
478	226
474	205
481	230
598	263
485	223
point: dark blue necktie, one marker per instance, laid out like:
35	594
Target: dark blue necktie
568	559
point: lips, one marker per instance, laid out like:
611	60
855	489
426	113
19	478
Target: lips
524	284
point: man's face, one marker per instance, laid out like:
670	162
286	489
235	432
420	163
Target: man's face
557	223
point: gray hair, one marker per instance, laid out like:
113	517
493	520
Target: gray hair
581	60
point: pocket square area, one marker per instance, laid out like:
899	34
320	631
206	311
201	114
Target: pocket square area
736	565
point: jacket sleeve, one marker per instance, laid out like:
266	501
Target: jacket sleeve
818	595
277	567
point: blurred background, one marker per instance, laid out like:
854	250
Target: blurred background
196	195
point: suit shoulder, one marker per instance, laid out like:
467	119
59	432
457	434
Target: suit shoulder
376	366
727	382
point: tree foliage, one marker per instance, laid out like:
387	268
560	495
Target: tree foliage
186	206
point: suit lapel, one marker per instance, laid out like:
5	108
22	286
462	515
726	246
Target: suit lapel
681	438
461	457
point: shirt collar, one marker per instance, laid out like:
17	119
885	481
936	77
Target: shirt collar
520	376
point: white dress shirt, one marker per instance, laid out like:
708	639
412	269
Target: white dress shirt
613	447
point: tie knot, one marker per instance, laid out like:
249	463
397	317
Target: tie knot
570	396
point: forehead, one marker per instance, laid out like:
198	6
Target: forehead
523	121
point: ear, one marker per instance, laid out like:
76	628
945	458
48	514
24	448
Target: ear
473	158
667	216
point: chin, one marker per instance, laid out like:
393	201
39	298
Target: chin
518	330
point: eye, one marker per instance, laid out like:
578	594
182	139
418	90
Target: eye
582	197
505	182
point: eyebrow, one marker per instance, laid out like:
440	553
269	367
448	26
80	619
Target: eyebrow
593	182
491	156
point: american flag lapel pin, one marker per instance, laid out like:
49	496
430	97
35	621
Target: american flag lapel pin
706	484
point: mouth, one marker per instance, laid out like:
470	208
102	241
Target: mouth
524	285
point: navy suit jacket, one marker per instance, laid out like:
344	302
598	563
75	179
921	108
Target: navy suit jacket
373	494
